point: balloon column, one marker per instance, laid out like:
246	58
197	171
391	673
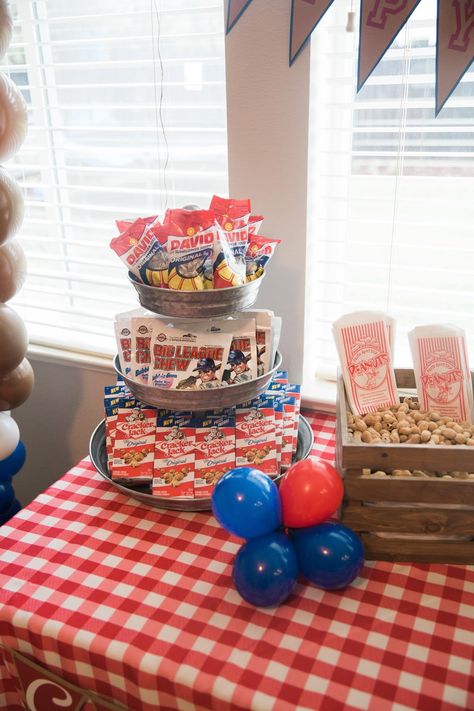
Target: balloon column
287	531
16	373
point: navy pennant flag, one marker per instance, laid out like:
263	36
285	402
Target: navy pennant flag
235	9
380	22
305	15
454	46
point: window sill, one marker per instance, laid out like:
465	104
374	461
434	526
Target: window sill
319	395
63	356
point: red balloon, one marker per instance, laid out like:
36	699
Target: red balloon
311	491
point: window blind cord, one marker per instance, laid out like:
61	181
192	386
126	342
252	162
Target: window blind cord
159	122
400	159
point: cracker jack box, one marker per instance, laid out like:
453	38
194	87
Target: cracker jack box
255	436
134	444
173	472
277	401
114	398
215	451
294	391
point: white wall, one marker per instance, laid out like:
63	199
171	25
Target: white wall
56	422
267	135
268	106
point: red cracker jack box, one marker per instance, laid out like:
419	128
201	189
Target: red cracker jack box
134	445
112	403
255	437
173	473
215	451
277	401
294	391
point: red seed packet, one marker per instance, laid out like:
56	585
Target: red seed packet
173	471
122	225
215	451
232	216
255	443
134	445
139	249
259	251
191	253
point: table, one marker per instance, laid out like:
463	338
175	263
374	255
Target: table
137	605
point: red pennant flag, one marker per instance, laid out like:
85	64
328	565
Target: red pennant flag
44	690
380	22
235	9
305	15
454	46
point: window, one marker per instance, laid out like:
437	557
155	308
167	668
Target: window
127	116
391	186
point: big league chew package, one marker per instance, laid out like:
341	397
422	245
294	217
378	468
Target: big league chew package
196	355
183	454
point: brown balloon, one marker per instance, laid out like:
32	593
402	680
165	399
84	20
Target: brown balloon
13	340
16	387
12	270
11	206
13	118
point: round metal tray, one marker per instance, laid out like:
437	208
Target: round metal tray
197	304
98	457
213	399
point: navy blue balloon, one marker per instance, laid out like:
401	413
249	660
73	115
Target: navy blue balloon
7	515
265	570
6	496
246	503
330	555
13	463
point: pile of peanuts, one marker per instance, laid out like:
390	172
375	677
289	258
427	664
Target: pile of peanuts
418	473
407	423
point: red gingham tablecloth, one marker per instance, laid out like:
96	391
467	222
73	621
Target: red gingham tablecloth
138	605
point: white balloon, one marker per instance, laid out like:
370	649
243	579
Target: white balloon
13	118
9	435
6	27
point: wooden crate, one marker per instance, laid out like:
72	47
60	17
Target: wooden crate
406	510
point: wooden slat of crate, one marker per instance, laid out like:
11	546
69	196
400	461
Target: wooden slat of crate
429	491
410	519
410	550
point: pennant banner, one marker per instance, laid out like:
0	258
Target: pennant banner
380	22
454	46
235	8
305	15
44	690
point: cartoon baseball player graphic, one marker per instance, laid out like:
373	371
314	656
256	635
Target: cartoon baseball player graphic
239	369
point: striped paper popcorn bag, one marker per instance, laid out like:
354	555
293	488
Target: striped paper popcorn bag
442	375
365	356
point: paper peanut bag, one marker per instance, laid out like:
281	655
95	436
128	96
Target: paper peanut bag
442	375
364	342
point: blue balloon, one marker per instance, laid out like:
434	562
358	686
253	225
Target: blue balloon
13	463
246	503
265	570
330	555
6	515
6	496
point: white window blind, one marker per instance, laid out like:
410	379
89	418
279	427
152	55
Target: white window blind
391	189
126	117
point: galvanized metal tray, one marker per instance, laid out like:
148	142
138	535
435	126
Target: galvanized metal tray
142	493
197	304
212	399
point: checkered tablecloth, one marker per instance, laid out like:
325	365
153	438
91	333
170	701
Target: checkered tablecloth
138	605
